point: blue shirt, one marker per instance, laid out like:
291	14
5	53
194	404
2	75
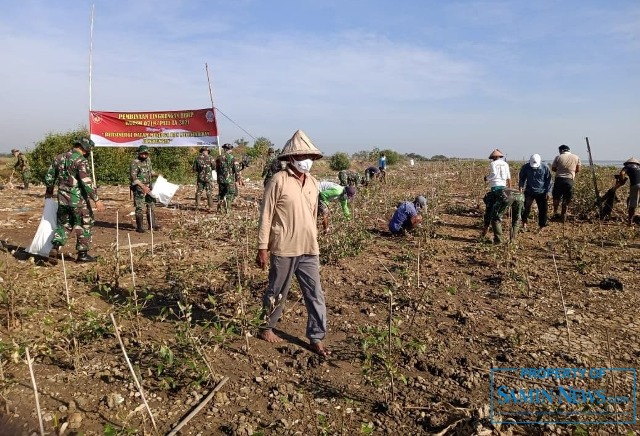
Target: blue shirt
401	216
382	163
537	180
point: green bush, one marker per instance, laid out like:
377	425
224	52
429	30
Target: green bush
393	157
339	162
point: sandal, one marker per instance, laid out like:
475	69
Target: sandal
320	349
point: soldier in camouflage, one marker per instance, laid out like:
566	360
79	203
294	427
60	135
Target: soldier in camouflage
228	176
203	165
140	174
22	166
271	166
349	178
69	171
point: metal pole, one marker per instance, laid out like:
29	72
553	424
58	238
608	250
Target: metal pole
93	169
213	108
593	175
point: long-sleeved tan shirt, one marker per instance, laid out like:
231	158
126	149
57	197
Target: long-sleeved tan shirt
287	225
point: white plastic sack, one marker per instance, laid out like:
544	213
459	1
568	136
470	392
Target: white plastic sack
41	244
163	191
214	175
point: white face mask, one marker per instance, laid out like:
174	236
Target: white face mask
304	166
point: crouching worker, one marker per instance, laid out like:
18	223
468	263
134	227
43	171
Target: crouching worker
406	217
69	171
330	191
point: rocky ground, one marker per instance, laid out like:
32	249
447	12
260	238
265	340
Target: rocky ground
416	324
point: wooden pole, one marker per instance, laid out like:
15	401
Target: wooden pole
66	285
133	373
213	108
35	390
193	413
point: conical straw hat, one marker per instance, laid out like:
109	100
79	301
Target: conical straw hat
632	160
496	153
299	145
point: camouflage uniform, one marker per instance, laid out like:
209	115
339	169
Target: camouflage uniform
349	178
204	165
271	167
228	175
22	166
140	173
75	187
497	202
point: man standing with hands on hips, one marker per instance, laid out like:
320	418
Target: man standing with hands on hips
287	228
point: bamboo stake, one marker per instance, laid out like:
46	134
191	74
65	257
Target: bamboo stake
151	227
66	285
393	393
198	408
35	390
133	274
564	307
133	373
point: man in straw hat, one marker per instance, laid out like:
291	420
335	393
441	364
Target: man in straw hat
287	229
499	179
203	165
631	169
565	165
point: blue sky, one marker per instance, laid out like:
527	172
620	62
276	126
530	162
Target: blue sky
457	78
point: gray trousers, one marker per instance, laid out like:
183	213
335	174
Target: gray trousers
307	270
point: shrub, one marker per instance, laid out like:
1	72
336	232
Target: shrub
339	162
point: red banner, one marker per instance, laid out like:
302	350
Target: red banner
185	128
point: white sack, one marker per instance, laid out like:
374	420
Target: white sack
41	244
214	175
163	191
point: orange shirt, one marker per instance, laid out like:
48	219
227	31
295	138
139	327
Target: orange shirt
287	226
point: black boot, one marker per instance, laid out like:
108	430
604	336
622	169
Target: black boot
84	257
139	224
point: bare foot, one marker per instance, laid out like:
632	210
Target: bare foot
320	349
269	336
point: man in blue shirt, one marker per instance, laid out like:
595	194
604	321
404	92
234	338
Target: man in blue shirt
535	179
406	217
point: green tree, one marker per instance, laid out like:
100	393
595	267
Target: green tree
260	147
241	142
339	161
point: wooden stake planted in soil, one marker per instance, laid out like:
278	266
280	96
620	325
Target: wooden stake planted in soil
35	390
198	408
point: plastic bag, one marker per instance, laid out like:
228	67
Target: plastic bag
41	244
163	191
214	175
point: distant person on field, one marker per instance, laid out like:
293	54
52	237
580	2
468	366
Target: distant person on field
22	167
349	178
631	169
228	178
565	165
271	166
287	228
535	181
406	216
330	191
495	200
369	174
382	166
204	165
69	171
140	174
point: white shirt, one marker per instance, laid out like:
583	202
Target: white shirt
499	173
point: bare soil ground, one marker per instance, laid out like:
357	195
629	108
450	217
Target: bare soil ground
415	323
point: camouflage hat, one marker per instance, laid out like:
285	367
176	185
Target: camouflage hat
299	145
15	150
143	149
204	148
227	146
271	150
85	143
